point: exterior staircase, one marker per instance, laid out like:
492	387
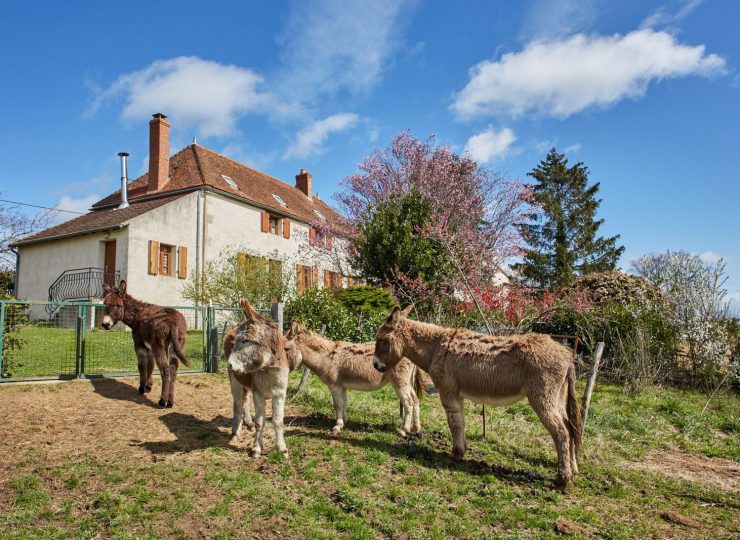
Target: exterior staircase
80	284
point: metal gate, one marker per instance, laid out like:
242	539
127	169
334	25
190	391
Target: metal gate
70	343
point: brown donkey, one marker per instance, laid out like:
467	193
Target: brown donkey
492	370
342	366
258	364
159	336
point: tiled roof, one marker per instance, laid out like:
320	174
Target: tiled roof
191	168
195	166
97	220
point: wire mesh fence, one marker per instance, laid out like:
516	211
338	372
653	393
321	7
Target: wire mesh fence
59	340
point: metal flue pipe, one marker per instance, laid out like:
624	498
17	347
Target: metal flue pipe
124	181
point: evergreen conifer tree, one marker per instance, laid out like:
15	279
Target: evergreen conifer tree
562	239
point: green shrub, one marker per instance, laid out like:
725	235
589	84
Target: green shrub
15	318
366	299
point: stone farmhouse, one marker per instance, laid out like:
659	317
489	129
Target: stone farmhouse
160	228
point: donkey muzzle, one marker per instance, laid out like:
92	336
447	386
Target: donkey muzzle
377	364
107	323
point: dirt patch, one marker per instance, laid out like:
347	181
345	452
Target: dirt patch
721	472
45	425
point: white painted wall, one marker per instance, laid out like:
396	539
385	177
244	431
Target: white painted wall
41	264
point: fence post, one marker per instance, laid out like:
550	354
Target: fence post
276	311
80	345
213	339
591	382
2	336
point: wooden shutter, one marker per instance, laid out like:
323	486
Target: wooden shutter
315	277
327	279
265	222
286	228
153	257
299	277
311	234
182	262
329	241
241	262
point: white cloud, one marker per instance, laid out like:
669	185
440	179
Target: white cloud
337	45
72	204
310	140
561	77
490	144
573	148
555	18
195	92
710	257
670	14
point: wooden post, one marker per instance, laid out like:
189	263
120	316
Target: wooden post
276	312
591	381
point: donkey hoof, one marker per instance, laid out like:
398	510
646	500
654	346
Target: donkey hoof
336	430
141	390
147	389
256	453
169	404
162	403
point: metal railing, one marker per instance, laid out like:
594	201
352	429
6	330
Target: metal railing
80	284
70	344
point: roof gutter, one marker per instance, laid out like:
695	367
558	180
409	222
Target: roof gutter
67	235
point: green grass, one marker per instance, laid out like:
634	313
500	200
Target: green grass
50	352
368	483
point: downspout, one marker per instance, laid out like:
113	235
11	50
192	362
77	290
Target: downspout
17	270
205	227
197	243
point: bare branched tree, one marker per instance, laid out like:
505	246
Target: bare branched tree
14	225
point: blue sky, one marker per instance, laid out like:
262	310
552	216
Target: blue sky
646	94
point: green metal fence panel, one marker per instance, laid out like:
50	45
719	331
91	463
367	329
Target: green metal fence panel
64	340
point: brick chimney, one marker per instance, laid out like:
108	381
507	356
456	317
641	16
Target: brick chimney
159	152
303	182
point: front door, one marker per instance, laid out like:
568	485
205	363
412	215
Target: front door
109	266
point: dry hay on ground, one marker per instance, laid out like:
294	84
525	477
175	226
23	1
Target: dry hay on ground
720	472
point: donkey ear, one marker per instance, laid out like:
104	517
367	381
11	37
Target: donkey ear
107	288
295	327
407	310
249	313
122	288
395	316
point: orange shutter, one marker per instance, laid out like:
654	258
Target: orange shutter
182	262
153	257
311	234
315	277
327	279
299	277
329	241
265	222
286	228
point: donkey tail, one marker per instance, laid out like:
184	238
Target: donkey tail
574	422
175	337
418	384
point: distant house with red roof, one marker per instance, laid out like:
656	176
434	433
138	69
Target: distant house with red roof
186	210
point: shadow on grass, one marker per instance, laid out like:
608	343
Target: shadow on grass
115	389
192	434
431	449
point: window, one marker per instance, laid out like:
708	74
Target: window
229	181
280	201
166	260
320	215
274	225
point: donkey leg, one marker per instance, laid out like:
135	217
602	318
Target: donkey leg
572	445
549	412
174	364
149	372
142	358
278	414
406	396
259	422
238	395
339	396
160	356
246	415
454	406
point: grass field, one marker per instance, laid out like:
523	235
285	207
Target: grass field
49	352
95	461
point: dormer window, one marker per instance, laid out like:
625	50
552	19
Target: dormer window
319	215
280	201
229	181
